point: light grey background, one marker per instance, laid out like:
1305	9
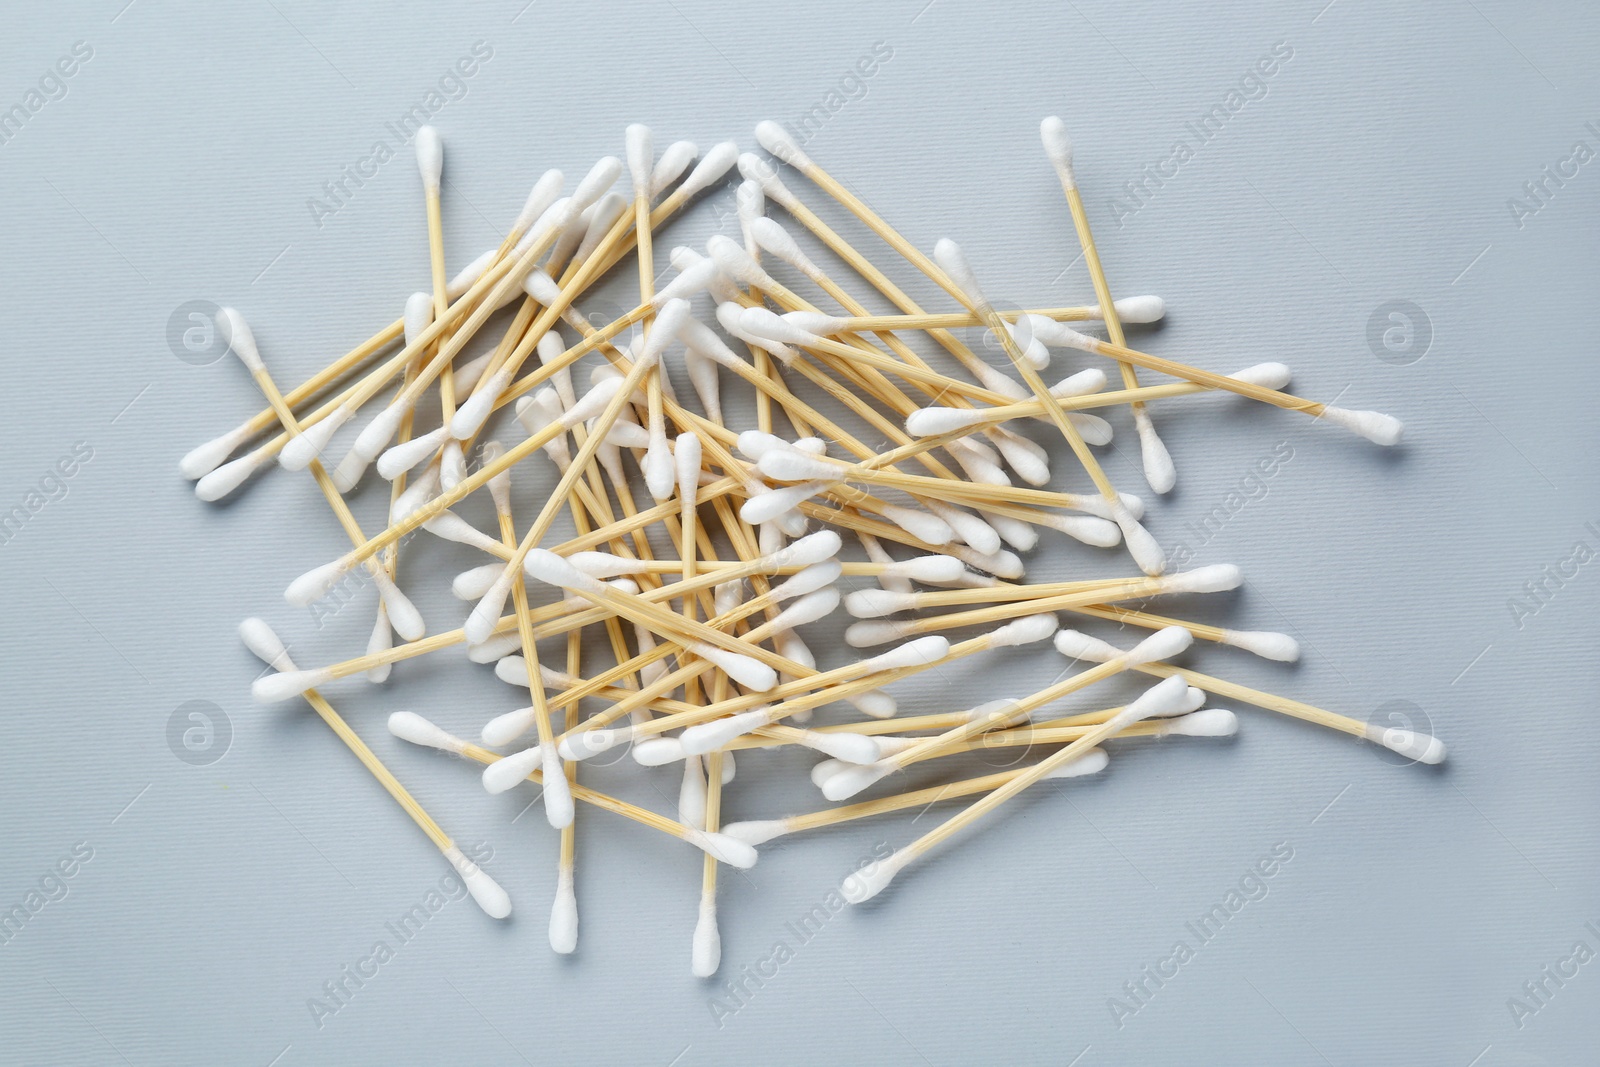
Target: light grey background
1377	166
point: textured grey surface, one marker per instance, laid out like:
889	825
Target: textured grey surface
1375	165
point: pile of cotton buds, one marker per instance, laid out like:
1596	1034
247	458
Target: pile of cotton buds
699	553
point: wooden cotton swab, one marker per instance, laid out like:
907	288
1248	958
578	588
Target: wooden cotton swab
265	644
1159	471
871	881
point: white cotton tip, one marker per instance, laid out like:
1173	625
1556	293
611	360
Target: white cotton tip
791	646
658	752
853	778
768	326
1092	428
764	174
669	320
602	176
1001	564
485	890
703	377
591	403
756	831
1159	471
1028	630
1031	462
402	613
825	770
1083	383
659	477
513	670
1163	644
559	808
230	476
792	465
1014	532
953	262
731	259
686	455
1033	350
586	743
871	632
504	729
468	275
776	139
768	506
1264	643
264	643
203	459
876	603
711	168
804	552
1194	701
486	615
542	288
922	652
724	848
1375	426
1138	309
1142	545
925	569
925	527
495	647
674	160
750	203
376	435
1091	762
475	410
692	794
235	333
600	218
430	157
381	641
806	610
452	527
1058	147
452	465
707	736
1091	530
1408	743
545	191
509	771
773	238
979	461
564	915
639	148
1216	578
725	597
314	584
499	484
545	566
706	951
1266	375
873	879
753	444
1077	645
874	703
1165	698
931	421
808	580
309	444
627	434
748	672
1211	722
409	726
604	564
852	748
730	316
406	455
418	493
287	684
690	282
